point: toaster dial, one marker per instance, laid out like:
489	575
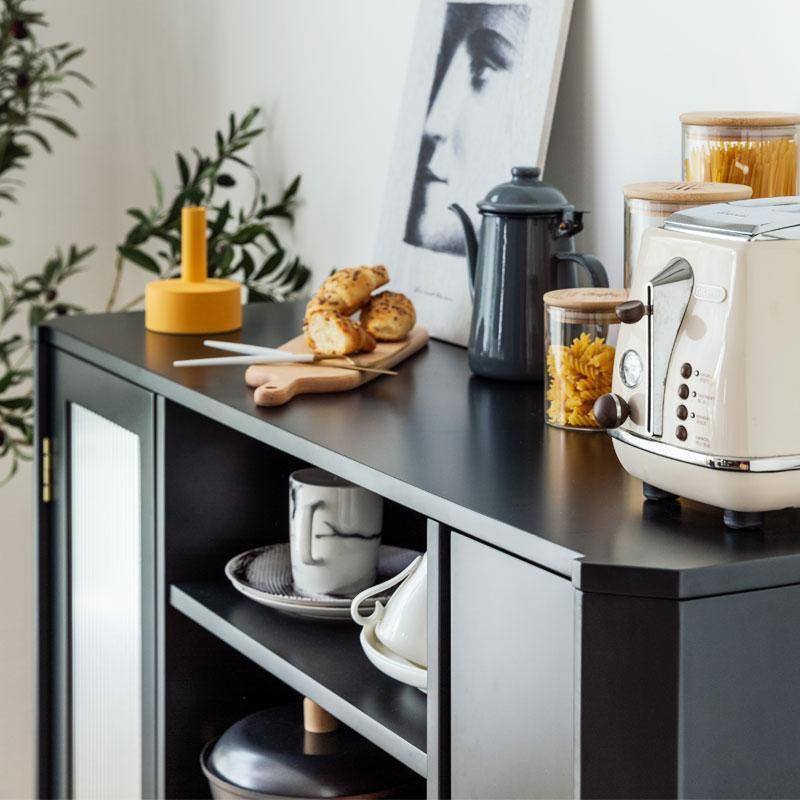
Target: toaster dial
631	368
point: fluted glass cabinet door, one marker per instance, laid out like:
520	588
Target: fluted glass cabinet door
101	734
105	599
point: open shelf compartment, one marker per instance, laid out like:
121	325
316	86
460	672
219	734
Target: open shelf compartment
320	660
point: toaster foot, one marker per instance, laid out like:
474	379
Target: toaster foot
654	493
743	520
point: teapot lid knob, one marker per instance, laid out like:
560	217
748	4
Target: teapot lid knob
526	173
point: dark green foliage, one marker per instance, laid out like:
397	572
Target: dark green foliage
33	79
34	298
242	243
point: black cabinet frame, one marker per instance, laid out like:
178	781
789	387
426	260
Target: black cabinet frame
71	381
675	618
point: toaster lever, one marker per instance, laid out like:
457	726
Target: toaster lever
632	311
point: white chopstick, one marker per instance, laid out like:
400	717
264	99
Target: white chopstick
254	354
250	354
267	358
245	349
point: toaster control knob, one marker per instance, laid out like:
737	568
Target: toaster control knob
610	410
631	311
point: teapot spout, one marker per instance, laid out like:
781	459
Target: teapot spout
470	241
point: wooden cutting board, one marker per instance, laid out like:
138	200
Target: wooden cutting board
276	384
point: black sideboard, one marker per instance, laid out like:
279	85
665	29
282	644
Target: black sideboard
583	642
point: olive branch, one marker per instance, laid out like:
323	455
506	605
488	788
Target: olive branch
242	243
35	80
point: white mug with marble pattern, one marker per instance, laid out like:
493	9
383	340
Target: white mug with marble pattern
334	533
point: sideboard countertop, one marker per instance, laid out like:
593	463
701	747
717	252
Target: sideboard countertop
470	453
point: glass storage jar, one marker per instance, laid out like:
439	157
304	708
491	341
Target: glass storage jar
752	147
647	205
580	334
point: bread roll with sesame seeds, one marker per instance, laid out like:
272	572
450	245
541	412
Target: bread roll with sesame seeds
329	333
348	289
388	316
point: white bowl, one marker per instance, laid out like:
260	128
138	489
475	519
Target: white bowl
390	663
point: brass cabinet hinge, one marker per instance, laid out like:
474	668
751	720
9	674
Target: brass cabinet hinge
47	470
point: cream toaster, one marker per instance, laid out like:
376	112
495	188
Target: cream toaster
707	368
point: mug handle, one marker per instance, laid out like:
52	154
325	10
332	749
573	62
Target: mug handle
359	618
304	528
597	272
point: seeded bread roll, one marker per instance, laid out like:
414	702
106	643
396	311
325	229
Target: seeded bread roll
348	289
388	316
324	302
329	333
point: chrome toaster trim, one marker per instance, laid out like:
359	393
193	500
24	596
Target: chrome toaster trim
668	295
727	463
769	217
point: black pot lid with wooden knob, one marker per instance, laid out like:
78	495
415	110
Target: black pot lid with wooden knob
270	753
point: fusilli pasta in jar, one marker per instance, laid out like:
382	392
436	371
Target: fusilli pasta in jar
581	328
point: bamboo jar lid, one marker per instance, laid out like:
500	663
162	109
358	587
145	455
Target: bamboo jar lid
686	192
740	119
599	300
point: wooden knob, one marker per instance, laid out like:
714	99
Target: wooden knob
610	410
316	719
631	311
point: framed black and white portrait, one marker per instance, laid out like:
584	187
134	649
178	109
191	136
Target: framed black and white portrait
479	98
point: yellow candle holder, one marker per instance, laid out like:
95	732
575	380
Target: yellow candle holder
193	303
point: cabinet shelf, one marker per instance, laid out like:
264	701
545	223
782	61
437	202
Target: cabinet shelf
320	660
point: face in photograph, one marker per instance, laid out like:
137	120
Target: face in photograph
461	154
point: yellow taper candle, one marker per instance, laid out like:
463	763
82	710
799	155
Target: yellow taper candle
194	248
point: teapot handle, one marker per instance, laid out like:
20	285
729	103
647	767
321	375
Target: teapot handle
597	272
359	618
470	243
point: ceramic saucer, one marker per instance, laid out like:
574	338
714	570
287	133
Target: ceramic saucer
389	662
265	575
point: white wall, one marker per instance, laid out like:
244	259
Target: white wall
632	67
330	73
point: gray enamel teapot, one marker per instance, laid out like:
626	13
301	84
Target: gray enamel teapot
525	250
